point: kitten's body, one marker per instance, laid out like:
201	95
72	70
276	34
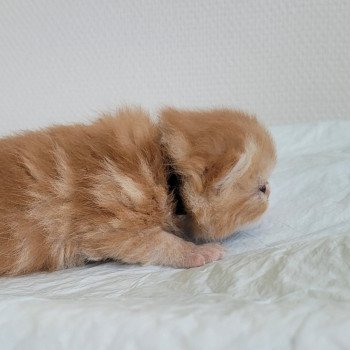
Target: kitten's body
71	194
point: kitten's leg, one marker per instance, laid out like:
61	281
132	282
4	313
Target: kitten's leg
155	247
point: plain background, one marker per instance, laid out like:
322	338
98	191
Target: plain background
66	61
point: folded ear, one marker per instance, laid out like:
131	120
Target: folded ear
239	168
184	143
178	132
173	137
194	133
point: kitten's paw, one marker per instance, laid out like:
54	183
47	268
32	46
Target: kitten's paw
198	255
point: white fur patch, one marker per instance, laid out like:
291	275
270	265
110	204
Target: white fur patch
24	257
177	144
64	183
128	185
33	170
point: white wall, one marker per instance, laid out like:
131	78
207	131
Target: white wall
66	60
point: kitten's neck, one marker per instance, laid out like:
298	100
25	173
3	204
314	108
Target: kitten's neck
174	187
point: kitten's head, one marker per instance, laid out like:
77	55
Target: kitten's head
224	158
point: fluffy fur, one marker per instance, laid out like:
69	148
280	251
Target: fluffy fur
72	194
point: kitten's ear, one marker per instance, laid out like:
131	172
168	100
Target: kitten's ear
177	130
172	137
239	168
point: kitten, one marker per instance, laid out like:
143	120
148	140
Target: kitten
130	189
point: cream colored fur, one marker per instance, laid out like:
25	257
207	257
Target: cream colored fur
72	194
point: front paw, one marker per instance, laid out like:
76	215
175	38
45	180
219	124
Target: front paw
191	255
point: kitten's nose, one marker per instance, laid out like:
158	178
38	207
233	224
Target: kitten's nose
265	188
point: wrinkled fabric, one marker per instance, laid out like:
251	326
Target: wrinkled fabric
284	283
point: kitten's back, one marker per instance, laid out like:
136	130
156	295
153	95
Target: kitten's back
55	188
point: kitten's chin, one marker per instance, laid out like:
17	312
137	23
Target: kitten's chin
250	224
197	233
194	233
253	222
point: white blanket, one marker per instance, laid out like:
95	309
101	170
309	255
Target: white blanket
284	284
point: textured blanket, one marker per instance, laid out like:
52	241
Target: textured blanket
284	283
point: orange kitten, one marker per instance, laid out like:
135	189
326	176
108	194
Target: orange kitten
130	189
